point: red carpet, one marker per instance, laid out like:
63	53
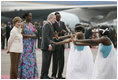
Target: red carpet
5	77
8	77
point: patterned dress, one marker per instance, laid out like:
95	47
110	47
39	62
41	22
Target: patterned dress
27	65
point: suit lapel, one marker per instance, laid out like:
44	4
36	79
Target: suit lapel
61	25
51	27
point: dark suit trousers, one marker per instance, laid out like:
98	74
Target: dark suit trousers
58	60
39	43
46	59
2	42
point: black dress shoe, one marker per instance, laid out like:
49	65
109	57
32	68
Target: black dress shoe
61	78
49	78
54	77
46	77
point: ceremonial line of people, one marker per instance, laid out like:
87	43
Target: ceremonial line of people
90	33
80	65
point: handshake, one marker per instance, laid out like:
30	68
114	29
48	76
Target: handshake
69	38
56	34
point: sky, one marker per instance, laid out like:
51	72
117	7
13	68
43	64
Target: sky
78	2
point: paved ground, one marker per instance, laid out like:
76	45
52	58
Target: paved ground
5	61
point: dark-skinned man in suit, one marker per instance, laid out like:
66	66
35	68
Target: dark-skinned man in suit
58	54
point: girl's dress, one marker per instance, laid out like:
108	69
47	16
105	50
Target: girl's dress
80	62
106	63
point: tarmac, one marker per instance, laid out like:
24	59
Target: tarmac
5	61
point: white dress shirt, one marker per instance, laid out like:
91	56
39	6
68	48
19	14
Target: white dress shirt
15	41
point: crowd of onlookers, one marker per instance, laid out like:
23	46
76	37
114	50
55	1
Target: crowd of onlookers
112	34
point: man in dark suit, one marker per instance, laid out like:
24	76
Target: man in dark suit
58	54
36	31
112	33
46	46
88	33
8	29
39	35
3	35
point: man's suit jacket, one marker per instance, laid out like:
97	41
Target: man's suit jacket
59	29
47	35
8	29
3	32
88	33
40	32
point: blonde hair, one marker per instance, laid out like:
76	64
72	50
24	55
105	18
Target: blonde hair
44	22
16	19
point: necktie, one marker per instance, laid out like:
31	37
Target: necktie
59	24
